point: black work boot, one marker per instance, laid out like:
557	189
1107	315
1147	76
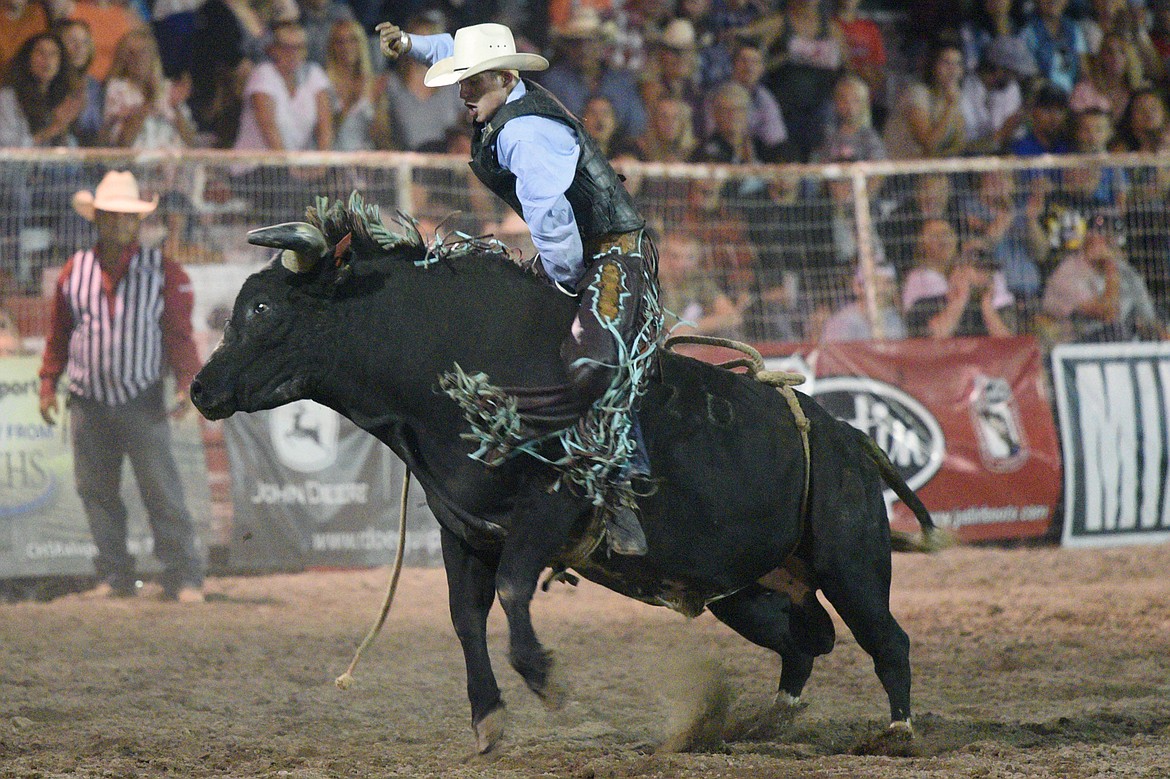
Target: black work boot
623	532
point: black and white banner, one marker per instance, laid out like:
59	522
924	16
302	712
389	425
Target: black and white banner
312	489
1113	402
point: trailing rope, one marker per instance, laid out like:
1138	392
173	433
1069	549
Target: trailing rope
344	681
783	381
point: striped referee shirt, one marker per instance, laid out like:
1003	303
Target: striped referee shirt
115	328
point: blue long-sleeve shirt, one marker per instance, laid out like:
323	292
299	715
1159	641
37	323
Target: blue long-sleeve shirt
542	154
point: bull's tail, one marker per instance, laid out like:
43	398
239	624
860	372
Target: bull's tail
933	538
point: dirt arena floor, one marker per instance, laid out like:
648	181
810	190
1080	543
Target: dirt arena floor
1028	663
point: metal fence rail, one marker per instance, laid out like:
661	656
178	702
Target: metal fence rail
755	252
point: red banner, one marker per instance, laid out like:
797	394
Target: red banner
967	421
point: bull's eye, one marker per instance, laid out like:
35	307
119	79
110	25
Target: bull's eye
260	307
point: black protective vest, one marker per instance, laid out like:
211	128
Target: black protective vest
601	204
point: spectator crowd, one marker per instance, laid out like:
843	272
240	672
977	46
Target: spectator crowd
1082	253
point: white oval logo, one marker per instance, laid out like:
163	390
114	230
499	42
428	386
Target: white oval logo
908	433
304	435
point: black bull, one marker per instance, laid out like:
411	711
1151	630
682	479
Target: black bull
367	331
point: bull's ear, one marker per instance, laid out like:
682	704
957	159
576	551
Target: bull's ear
303	244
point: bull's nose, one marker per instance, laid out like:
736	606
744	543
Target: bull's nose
196	393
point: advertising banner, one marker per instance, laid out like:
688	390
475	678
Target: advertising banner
965	420
43	530
311	489
1113	401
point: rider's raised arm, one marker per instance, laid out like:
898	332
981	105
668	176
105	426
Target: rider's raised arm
431	48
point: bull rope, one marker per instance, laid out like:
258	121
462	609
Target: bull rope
783	381
344	681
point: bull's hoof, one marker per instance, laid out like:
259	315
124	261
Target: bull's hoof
555	691
490	729
896	741
768	723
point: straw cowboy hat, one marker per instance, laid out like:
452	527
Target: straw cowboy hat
584	23
478	48
118	192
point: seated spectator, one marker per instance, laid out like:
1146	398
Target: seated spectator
142	109
1083	192
581	69
109	21
691	295
717	223
865	49
78	44
1008	230
420	117
286	104
1057	43
1143	126
831	231
600	120
1096	295
673	69
787	233
36	108
19	21
229	39
1110	80
805	55
900	230
948	294
319	17
1092	134
927	121
670	133
989	20
286	108
992	100
852	322
765	124
1118	17
852	137
361	118
731	140
1046	131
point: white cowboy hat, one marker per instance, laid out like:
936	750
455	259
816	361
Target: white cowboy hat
478	48
118	192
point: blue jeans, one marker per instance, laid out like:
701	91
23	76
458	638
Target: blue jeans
102	436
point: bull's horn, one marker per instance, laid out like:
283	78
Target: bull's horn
303	244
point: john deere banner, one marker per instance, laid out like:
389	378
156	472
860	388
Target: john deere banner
43	531
1113	401
310	489
965	421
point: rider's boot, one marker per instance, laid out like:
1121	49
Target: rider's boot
623	526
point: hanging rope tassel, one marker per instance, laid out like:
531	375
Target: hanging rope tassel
344	681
